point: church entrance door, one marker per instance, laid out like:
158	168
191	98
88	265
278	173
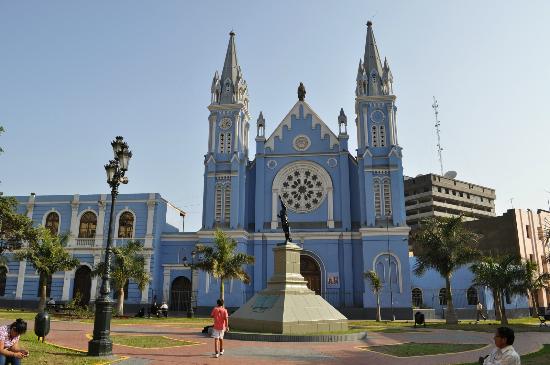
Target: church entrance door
311	272
180	294
82	285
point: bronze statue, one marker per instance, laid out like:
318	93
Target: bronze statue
301	92
284	221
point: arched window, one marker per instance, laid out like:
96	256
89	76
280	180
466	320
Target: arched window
374	136
228	143
382	136
387	198
380	271
394	275
52	223
221	144
88	224
3	277
417	297
377	198
126	225
223	202
471	295
443	296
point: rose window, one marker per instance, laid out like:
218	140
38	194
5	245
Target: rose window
302	190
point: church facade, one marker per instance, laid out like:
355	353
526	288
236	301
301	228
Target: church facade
346	209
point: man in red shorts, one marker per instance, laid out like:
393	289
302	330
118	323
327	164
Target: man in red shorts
221	324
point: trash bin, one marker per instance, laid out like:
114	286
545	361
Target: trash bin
42	325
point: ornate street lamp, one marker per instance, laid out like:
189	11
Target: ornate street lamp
190	313
101	344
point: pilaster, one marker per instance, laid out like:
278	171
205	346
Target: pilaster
74	217
151	204
145	291
95	280
20	279
99	234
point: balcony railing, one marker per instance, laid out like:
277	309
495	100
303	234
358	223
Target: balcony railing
101	242
85	242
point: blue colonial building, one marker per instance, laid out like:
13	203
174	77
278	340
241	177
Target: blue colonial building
346	208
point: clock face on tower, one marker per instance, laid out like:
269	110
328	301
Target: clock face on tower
225	123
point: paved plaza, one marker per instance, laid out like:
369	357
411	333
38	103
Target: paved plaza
74	335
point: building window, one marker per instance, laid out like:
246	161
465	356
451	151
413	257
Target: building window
3	277
126	225
382	136
374	136
228	144
528	231
52	223
442	296
377	198
221	143
417	297
223	202
88	224
471	295
387	197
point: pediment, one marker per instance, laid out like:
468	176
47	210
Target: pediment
301	110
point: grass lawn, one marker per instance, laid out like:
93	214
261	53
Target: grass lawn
44	353
421	349
541	357
148	341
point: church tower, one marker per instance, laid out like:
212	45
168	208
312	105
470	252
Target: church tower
379	154
227	157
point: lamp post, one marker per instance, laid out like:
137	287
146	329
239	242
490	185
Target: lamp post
101	344
190	313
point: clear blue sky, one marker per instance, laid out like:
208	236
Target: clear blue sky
74	74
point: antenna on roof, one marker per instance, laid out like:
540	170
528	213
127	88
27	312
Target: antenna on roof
435	106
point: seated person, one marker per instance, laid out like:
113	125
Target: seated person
51	302
504	353
164	309
10	353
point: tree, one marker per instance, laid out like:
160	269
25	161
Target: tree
48	256
222	261
128	264
376	287
535	281
444	244
15	228
505	276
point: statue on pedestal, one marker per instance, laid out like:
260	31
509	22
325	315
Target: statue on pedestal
284	221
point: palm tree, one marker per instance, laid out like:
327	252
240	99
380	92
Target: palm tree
128	264
506	275
48	256
222	261
444	244
376	286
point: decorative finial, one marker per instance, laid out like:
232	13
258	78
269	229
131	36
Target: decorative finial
232	33
369	24
301	92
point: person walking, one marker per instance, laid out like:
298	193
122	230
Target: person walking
479	312
504	353
221	325
10	353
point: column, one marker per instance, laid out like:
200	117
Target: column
68	277
95	280
151	203
20	279
166	285
99	234
330	220
145	291
74	219
274	205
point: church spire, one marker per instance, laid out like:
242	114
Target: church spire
233	86
370	76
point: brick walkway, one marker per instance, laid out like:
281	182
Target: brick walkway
73	334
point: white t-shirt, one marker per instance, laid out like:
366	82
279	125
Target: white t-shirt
164	306
504	356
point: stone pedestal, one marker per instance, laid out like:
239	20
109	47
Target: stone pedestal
287	306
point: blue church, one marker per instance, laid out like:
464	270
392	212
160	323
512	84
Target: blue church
346	209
